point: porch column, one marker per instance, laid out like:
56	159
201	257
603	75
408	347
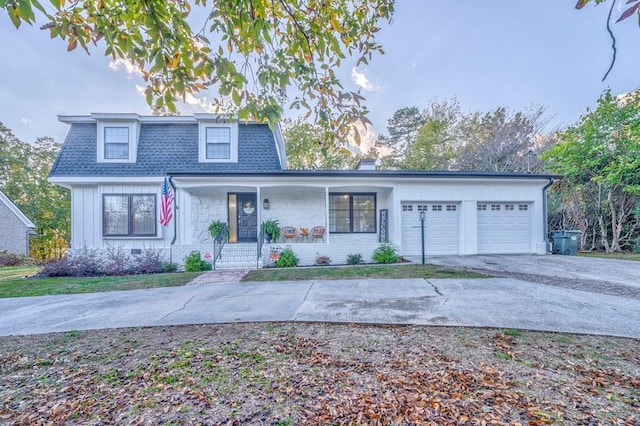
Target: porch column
326	213
259	209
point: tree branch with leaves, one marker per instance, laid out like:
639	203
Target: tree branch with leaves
258	54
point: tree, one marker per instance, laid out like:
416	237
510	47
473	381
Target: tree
600	159
257	53
309	147
24	169
403	128
438	140
444	137
502	141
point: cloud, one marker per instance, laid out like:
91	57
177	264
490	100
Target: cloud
126	65
360	78
25	120
197	104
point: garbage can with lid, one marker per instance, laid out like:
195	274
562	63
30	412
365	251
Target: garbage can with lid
566	241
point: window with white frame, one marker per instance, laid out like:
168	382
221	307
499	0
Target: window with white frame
117	141
218	142
129	215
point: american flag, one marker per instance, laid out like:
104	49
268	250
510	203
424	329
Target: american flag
167	200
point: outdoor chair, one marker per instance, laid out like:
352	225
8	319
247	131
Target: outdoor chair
317	232
289	233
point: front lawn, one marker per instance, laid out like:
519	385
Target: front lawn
14	272
361	271
23	287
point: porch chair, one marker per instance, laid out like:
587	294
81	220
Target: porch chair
289	233
317	232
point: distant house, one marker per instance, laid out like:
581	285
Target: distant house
236	172
15	228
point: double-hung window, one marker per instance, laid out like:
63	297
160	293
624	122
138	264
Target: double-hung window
352	213
129	215
116	143
218	143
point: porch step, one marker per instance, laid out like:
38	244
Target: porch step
238	256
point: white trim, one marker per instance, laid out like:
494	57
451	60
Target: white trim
93	180
15	210
132	127
196	117
202	142
280	146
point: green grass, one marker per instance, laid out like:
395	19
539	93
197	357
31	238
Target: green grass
13	272
23	287
618	256
362	271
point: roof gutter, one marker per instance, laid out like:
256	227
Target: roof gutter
545	215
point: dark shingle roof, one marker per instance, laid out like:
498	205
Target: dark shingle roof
163	148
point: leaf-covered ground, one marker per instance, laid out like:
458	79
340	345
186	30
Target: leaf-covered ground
289	374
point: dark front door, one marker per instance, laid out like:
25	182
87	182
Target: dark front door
247	218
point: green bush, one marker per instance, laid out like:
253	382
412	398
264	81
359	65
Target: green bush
385	253
287	259
354	259
193	263
169	267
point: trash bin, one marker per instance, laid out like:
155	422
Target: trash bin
566	241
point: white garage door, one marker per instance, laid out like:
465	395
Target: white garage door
441	228
504	228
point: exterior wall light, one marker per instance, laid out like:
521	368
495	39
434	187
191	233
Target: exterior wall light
265	204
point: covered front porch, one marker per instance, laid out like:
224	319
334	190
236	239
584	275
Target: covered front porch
314	220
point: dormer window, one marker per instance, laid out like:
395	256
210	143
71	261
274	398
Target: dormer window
218	142
117	141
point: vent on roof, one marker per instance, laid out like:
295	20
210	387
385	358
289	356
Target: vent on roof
366	164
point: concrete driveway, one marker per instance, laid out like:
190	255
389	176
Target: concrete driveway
495	302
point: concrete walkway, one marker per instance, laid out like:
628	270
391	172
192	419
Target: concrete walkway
494	302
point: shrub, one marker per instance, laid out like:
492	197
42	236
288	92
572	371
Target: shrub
323	260
150	261
354	259
193	263
118	262
287	259
385	253
169	267
81	263
12	259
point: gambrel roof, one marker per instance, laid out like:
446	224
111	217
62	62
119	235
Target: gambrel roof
165	146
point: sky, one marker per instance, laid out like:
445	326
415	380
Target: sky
487	54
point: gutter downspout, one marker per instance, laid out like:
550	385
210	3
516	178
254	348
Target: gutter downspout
544	214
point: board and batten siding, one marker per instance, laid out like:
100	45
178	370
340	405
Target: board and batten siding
86	218
468	193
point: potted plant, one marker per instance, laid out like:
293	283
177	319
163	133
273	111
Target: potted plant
271	228
216	229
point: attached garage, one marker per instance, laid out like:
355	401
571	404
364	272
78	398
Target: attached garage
504	227
442	228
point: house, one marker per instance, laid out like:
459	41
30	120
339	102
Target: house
222	169
15	228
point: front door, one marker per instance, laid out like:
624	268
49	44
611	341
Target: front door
247	218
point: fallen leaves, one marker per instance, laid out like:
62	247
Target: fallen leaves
315	374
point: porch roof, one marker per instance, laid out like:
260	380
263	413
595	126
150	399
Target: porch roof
375	174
